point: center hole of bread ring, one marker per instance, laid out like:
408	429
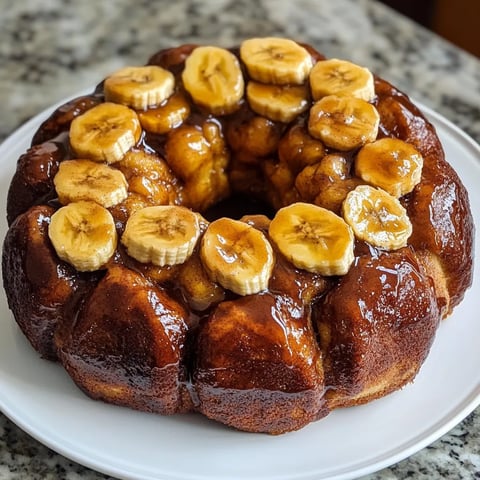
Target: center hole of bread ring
237	206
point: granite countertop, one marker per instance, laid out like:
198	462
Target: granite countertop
52	49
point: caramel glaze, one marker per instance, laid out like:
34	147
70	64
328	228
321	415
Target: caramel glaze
128	352
257	363
377	323
39	285
270	362
438	207
33	179
61	118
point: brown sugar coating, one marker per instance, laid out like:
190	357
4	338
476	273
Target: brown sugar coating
170	339
258	354
375	324
128	353
61	119
33	179
438	206
255	355
40	286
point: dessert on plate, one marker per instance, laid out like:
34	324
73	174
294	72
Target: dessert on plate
258	234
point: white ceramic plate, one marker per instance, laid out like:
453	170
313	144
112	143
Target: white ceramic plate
39	396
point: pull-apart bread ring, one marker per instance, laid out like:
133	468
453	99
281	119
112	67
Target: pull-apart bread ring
258	234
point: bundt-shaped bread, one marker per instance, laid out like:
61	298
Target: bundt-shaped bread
257	234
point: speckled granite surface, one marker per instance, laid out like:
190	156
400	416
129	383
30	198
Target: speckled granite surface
51	49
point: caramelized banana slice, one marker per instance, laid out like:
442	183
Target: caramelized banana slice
83	234
86	180
212	76
162	234
276	60
341	78
344	123
139	87
313	238
377	217
237	256
105	133
391	164
280	103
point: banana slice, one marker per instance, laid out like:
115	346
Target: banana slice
313	238
162	119
280	103
391	164
341	78
86	180
84	235
377	217
343	123
139	87
105	132
162	234
213	77
237	256
276	60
